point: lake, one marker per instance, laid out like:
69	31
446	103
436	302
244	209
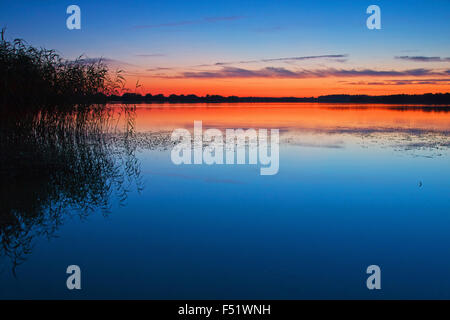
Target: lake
357	185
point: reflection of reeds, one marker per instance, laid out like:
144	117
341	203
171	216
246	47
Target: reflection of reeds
32	76
58	163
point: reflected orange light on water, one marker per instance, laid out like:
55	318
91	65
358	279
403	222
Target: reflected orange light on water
306	116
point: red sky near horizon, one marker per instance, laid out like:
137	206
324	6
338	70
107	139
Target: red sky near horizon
279	87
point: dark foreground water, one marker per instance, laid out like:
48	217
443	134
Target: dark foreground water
357	185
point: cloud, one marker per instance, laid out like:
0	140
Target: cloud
189	22
150	55
423	58
231	72
108	61
331	56
402	82
274	72
338	57
334	57
380	73
158	69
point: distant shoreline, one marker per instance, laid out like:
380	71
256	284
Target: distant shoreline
424	99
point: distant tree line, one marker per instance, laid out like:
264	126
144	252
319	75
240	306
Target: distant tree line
428	98
192	98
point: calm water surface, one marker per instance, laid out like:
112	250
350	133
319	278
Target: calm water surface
357	185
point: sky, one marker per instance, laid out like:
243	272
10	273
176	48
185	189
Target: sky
250	48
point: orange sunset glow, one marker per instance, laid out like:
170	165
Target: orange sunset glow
281	87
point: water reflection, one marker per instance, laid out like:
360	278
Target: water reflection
419	130
342	169
57	163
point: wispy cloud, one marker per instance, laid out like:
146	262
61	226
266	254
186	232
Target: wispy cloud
159	69
150	55
189	22
339	57
423	58
333	57
274	72
402	82
108	61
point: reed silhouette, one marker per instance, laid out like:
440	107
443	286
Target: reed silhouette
36	77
